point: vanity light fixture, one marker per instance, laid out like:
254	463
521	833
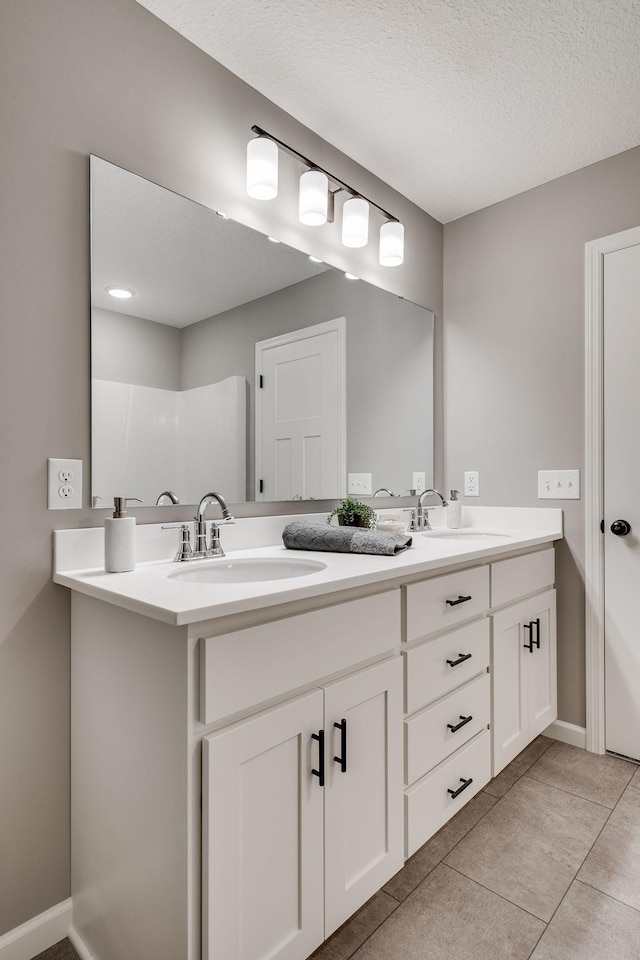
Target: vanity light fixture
355	222
313	206
391	243
120	293
317	197
262	168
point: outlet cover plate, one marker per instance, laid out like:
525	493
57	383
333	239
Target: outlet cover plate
558	484
65	484
472	483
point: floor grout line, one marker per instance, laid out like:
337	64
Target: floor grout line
585	883
496	894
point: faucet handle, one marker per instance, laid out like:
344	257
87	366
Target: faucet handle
184	549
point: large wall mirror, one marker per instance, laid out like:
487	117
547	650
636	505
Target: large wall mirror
230	362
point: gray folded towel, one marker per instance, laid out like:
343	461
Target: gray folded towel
323	536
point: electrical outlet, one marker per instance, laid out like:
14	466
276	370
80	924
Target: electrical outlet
419	481
558	484
65	484
472	483
360	483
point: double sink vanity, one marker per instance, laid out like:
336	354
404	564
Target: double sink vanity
259	741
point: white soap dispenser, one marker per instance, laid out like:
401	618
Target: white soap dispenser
120	538
454	511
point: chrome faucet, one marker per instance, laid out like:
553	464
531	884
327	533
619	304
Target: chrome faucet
214	547
383	491
422	512
201	548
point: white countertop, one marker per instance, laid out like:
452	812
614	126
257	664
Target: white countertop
151	591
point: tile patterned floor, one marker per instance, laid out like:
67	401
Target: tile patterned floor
544	863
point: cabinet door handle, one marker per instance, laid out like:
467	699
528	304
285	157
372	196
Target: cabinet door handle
461	658
465	784
319	773
463	721
342	760
454	603
533	640
537	640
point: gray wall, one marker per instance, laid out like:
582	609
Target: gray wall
105	77
514	359
389	368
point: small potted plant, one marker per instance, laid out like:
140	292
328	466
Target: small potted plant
352	513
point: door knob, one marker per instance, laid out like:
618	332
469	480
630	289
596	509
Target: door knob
621	528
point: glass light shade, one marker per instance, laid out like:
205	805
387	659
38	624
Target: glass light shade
262	168
314	198
355	222
391	244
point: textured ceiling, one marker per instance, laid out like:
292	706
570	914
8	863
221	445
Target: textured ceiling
455	103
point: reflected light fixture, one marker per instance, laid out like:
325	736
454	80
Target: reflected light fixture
120	293
391	243
351	276
317	198
314	259
262	168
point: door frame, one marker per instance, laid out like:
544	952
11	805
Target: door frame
338	324
595	252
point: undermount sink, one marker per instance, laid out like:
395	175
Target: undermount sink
247	570
463	535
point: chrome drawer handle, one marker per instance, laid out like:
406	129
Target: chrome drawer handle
454	603
458	726
465	784
461	658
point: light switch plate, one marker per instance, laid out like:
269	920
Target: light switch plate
558	484
65	484
359	483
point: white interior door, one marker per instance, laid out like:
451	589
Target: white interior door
301	414
621	500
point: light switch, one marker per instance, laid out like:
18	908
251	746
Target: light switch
558	484
359	483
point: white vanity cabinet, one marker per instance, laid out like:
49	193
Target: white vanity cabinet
302	816
524	668
447	698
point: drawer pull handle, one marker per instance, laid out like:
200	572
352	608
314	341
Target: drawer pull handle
465	784
461	658
532	640
463	721
342	760
454	603
319	773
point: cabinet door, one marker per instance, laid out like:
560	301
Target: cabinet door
363	804
541	666
510	723
262	836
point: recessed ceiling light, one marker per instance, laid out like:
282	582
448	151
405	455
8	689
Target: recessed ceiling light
273	240
351	276
121	293
315	259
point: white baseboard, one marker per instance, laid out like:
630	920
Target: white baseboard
37	934
79	945
568	733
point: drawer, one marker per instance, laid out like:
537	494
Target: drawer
435	667
428	739
436	604
428	804
249	667
520	576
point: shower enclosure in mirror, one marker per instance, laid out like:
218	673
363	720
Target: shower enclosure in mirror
234	363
